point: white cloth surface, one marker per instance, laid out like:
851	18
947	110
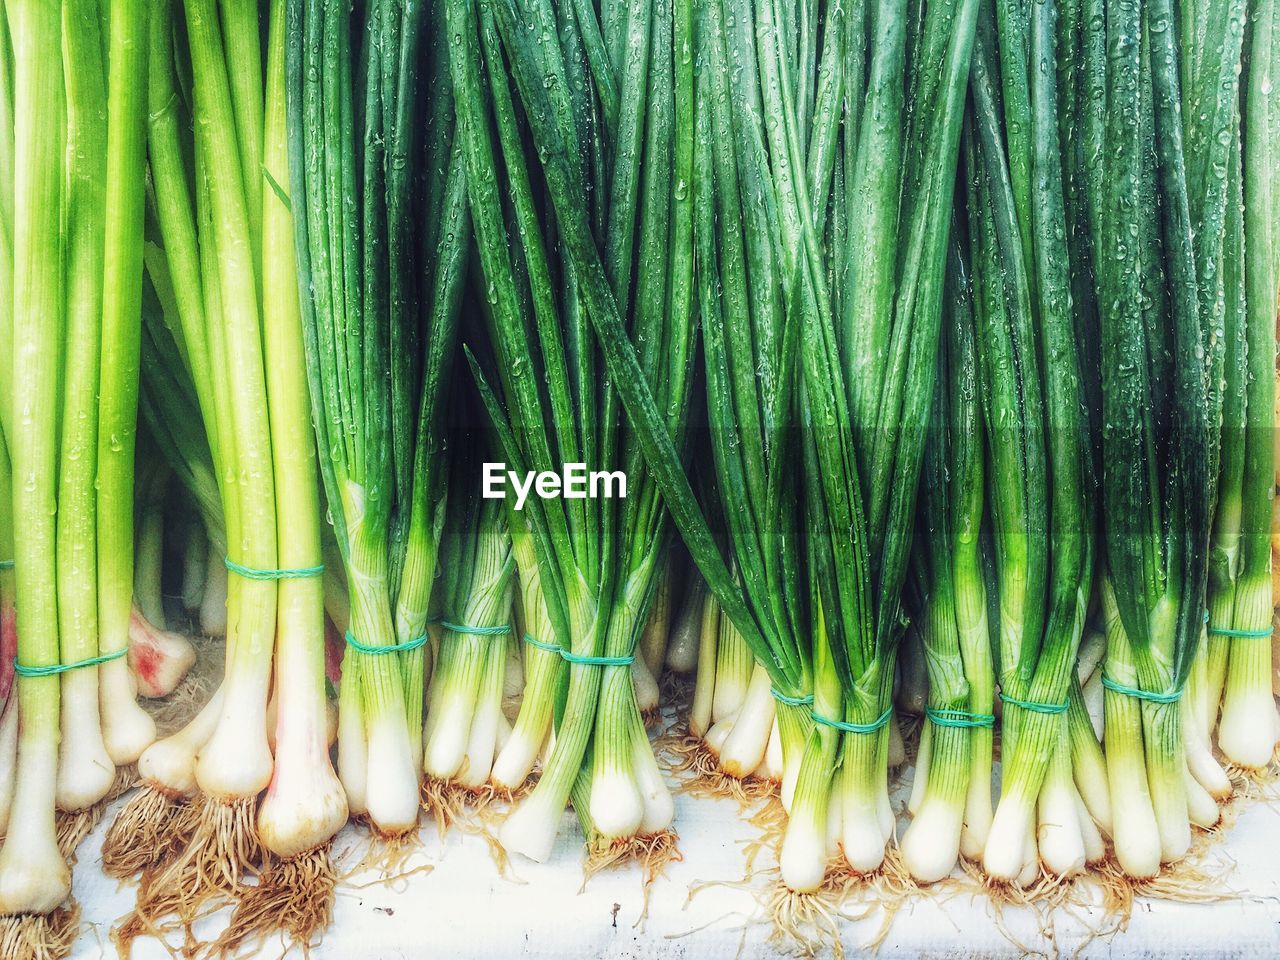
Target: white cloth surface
462	908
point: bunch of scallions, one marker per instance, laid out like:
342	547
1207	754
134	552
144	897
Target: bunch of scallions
1230	687
382	238
1036	432
607	115
950	800
1187	368
72	222
226	795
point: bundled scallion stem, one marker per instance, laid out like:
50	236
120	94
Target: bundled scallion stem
34	879
465	724
1033	402
1248	731
74	219
1162	357
365	313
869	362
951	798
210	287
598	558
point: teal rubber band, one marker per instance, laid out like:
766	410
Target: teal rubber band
6	564
847	727
1244	634
498	631
959	718
533	641
54	669
790	701
249	573
1172	697
572	657
413	644
1034	707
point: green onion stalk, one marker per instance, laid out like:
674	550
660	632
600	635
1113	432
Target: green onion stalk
85	771
951	794
6	284
684	642
1078	47
598	559
465	725
543	667
213	603
304	805
176	409
654	640
1247	732
82	295
8	614
126	729
169	406
227	230
868	358
381	283
1208	675
210	228
722	675
1211	112
1037	434
763	672
912	694
194	545
34	878
1160	444
151	487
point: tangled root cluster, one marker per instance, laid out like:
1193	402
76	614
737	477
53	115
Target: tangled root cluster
698	771
150	830
653	852
40	936
207	874
293	896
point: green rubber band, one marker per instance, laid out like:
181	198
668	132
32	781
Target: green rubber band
6	564
1244	634
499	631
1034	707
847	727
1172	697
57	668
533	641
413	644
249	573
959	718
572	657
790	701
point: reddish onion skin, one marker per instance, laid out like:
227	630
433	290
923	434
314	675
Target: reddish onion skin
145	661
8	649
158	658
